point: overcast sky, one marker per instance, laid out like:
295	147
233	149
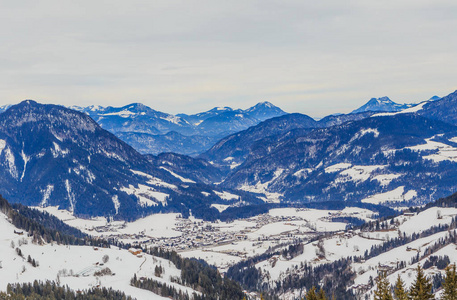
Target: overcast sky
313	57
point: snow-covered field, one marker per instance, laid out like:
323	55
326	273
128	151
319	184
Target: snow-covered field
75	265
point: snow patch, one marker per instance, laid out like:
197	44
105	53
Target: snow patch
71	195
178	176
226	196
154	180
358	173
146	194
46	194
11	163
2	146
396	195
57	151
116	203
171	119
123	114
26	159
445	152
337	167
303	173
220	207
386	179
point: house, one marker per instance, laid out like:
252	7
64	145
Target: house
135	251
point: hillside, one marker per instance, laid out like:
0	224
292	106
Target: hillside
54	156
374	160
348	262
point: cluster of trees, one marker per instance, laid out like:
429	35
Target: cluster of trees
333	278
400	241
159	288
44	227
441	262
198	275
50	290
421	289
248	275
314	294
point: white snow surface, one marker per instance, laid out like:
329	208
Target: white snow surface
386	179
2	146
220	207
178	176
79	260
226	195
357	173
337	167
396	195
427	219
124	114
147	196
156	225
413	109
445	152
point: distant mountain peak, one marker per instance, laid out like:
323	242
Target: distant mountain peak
264	110
220	108
381	104
28	102
434	98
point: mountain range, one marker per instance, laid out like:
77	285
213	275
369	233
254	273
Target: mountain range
153	132
54	156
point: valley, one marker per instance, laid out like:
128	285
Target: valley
272	208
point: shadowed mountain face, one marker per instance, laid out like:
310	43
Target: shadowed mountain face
51	155
232	150
443	109
404	153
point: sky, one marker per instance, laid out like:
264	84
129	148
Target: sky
312	57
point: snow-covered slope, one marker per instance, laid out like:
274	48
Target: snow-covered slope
55	156
375	160
75	265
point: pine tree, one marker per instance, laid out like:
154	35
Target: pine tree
321	295
311	294
382	291
450	284
399	290
422	287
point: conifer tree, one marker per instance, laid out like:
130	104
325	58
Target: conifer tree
382	291
311	294
399	290
422	287
321	295
450	284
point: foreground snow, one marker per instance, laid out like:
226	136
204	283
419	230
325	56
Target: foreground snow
75	265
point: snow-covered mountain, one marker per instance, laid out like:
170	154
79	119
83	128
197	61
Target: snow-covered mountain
381	104
444	109
55	156
152	132
395	158
261	111
233	150
4	107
